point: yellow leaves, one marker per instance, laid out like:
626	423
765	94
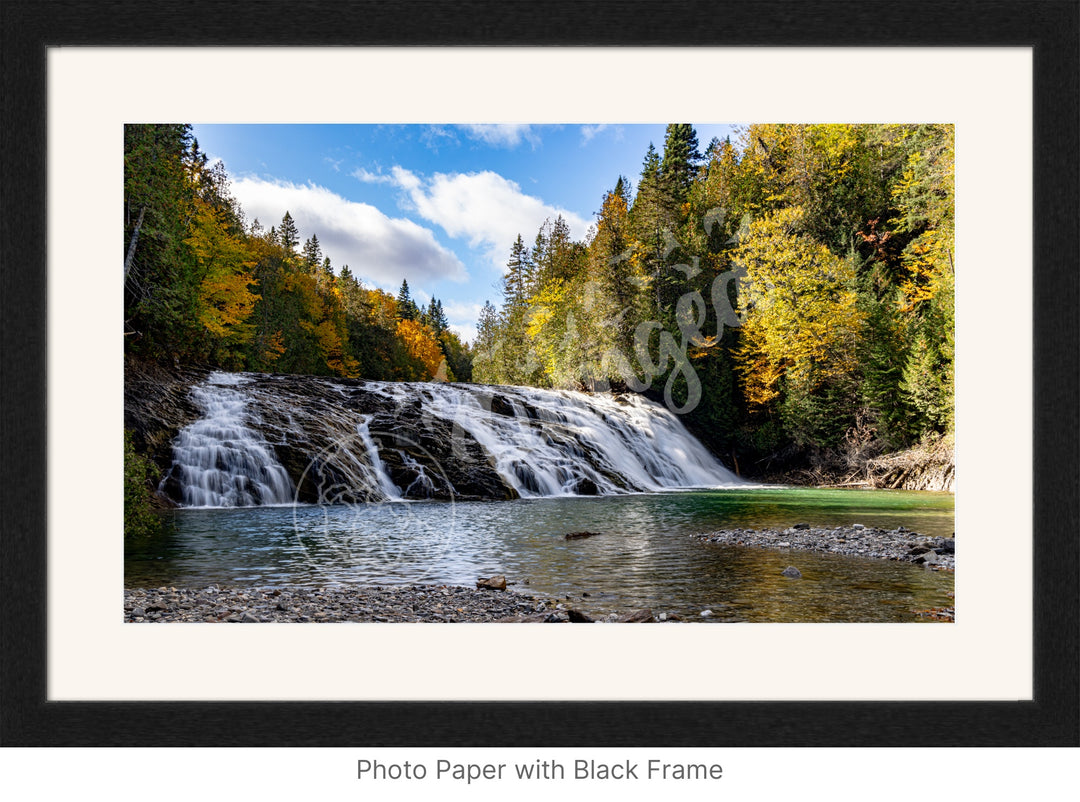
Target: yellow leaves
333	350
802	318
542	307
924	197
420	345
273	347
225	305
225	300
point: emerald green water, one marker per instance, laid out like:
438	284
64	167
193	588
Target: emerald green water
644	555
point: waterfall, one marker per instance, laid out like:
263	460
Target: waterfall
348	441
558	443
218	460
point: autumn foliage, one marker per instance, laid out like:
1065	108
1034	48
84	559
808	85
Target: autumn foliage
202	286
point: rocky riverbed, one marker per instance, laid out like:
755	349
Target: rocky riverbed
900	544
398	604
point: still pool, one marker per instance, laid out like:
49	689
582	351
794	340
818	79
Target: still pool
644	554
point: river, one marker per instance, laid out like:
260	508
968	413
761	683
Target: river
644	554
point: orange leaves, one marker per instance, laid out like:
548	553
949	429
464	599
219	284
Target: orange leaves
420	345
225	305
333	350
225	300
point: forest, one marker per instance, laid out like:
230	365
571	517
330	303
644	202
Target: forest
203	286
790	293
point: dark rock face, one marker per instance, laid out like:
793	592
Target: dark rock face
313	425
316	428
157	406
354	441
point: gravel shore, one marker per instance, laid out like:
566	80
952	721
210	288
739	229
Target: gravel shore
398	604
900	544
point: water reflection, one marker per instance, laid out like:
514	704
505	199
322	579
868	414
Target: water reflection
644	556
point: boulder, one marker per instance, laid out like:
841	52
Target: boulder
792	572
492	583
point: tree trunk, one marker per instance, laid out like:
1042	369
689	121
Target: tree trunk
134	241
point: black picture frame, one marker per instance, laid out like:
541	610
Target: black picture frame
28	718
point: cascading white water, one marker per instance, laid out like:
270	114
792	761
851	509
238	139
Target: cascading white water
535	442
377	474
220	461
559	442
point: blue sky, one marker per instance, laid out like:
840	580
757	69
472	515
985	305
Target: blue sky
439	205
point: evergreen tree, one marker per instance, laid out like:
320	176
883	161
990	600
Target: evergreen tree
485	366
516	281
312	254
407	309
434	317
681	158
288	235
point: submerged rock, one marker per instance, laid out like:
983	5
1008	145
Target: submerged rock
492	583
792	572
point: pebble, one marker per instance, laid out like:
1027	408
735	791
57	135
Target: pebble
856	540
407	603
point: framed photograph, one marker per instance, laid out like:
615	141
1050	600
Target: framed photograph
407	141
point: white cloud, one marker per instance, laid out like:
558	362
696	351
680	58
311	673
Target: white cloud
376	247
462	317
462	311
485	208
466	332
589	131
368	177
502	136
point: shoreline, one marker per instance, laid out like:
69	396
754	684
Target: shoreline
354	604
855	540
443	603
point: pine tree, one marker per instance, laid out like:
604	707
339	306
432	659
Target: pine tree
312	254
407	309
681	158
436	317
485	350
288	235
651	222
515	289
